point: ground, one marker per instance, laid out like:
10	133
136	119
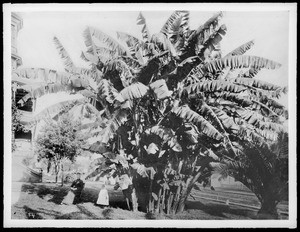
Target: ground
42	201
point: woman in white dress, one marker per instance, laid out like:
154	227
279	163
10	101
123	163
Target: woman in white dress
103	199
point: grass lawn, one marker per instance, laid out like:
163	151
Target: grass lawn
42	201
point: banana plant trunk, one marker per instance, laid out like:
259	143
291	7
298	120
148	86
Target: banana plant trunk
134	201
189	186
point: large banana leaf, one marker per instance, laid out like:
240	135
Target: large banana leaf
222	119
213	41
214	86
193	117
118	118
69	65
42	75
180	18
163	43
20	81
131	41
88	57
241	49
243	61
168	136
176	29
160	88
89	43
108	92
134	91
210	23
125	72
103	168
55	109
109	41
241	100
145	32
36	91
251	73
257	83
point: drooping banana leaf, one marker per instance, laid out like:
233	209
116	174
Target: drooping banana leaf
214	86
118	118
69	65
131	41
88	40
109	41
257	83
41	75
108	92
41	90
145	32
168	136
160	88
88	57
55	109
242	61
193	117
134	91
241	49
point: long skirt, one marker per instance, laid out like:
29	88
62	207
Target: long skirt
69	198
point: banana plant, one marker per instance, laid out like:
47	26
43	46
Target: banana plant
193	112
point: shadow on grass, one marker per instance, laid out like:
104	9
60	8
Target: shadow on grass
31	213
212	209
220	209
73	216
54	193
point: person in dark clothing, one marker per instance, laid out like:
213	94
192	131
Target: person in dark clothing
77	187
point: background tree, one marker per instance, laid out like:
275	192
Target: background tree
264	170
59	141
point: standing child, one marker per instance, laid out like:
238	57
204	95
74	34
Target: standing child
103	199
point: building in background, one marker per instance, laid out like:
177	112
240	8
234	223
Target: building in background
21	172
16	61
16	26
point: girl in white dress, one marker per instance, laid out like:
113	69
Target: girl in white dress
103	199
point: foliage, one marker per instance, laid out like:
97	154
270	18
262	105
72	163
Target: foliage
59	141
264	170
15	122
171	106
180	108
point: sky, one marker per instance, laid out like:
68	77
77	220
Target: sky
36	47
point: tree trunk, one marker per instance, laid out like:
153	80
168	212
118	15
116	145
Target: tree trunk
268	208
62	174
56	172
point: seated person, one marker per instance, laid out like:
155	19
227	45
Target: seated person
73	196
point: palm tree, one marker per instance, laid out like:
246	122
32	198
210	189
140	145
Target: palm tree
264	170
